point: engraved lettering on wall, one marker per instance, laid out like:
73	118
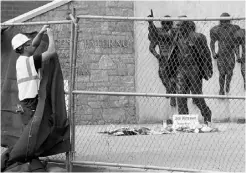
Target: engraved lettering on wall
89	44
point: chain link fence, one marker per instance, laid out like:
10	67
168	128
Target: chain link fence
211	86
119	57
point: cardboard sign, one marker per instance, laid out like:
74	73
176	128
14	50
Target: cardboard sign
190	121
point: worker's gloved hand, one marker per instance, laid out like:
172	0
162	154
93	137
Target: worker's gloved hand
50	32
44	28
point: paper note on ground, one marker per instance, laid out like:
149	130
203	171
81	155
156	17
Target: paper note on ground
190	121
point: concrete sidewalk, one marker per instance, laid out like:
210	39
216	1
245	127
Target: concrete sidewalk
219	151
110	169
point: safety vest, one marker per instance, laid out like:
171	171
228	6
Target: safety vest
28	79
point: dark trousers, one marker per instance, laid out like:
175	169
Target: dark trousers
29	107
188	79
169	84
226	64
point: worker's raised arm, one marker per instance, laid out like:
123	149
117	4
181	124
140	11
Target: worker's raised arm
37	39
51	51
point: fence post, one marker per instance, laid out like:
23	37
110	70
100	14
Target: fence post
69	155
72	84
74	70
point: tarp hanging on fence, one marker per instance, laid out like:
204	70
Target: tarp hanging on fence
47	132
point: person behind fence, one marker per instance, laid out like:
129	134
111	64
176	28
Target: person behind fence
190	61
174	32
27	69
239	37
163	39
223	33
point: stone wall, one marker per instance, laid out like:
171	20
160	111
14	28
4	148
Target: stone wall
105	59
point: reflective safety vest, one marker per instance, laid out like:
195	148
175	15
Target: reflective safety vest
28	79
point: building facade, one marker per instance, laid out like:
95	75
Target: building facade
11	9
113	56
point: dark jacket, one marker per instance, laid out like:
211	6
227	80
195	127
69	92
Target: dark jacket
201	55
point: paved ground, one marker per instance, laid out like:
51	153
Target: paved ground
220	151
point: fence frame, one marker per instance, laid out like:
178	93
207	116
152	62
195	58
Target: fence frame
70	156
74	162
160	18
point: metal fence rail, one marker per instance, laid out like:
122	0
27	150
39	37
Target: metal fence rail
38	23
157	95
159	18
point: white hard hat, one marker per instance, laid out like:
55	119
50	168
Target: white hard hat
18	40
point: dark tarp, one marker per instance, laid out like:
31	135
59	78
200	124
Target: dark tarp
47	132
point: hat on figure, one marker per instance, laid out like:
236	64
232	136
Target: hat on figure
18	40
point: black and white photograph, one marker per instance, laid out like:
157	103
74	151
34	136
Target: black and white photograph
123	86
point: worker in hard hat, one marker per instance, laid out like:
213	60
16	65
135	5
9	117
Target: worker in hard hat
223	33
27	68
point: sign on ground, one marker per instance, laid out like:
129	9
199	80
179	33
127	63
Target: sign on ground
190	121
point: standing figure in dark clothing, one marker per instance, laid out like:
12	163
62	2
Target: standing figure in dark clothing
163	39
239	37
223	33
190	61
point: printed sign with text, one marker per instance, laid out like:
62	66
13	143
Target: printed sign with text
190	121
